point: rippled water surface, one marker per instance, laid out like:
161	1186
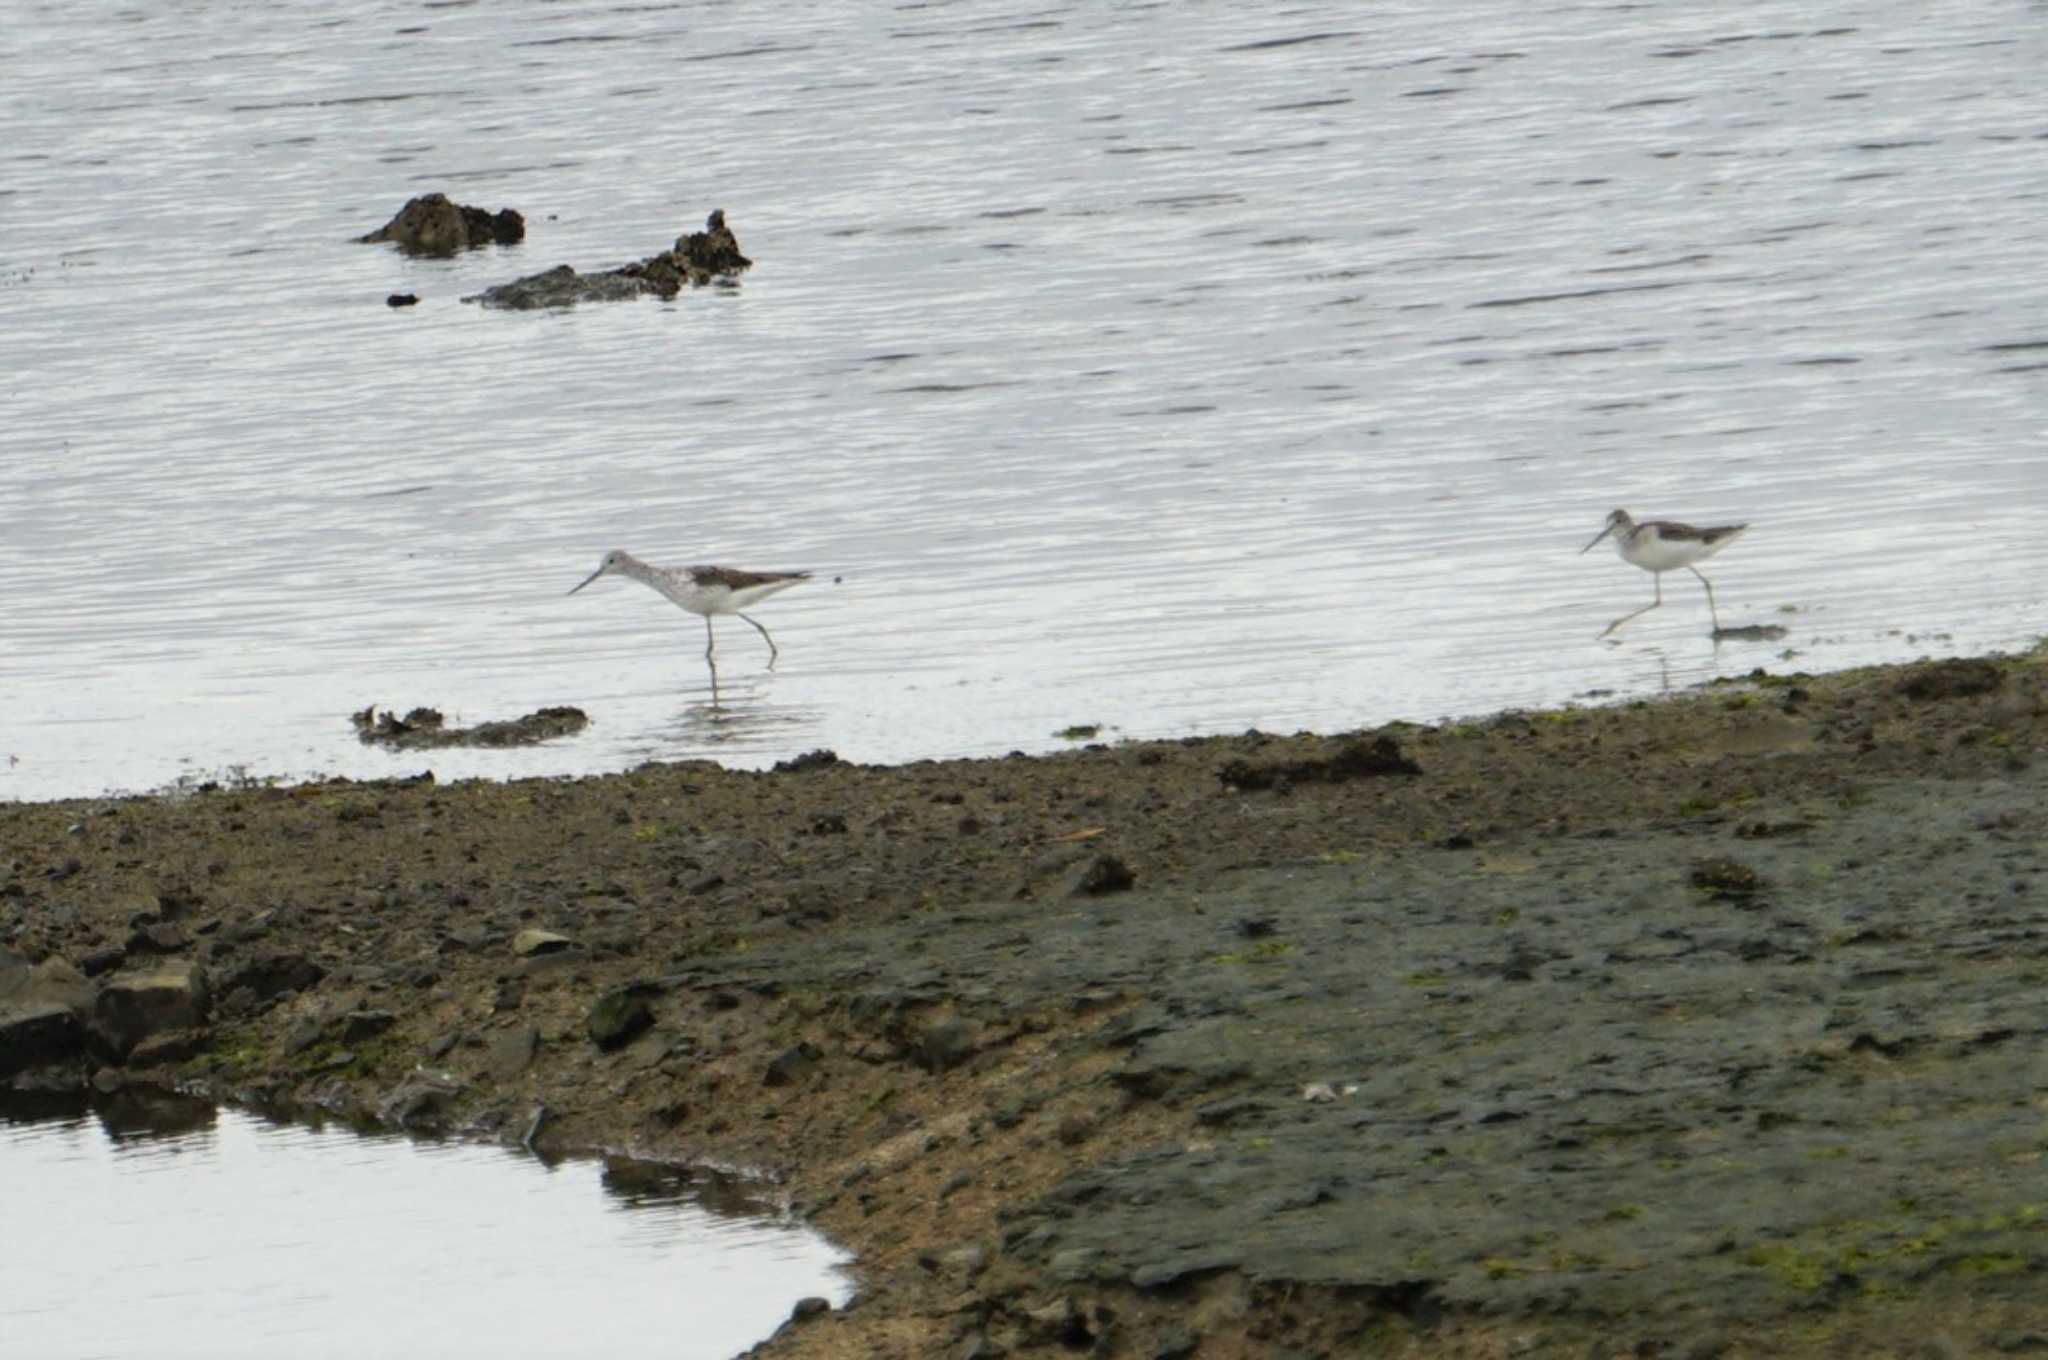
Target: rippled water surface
1175	368
226	1235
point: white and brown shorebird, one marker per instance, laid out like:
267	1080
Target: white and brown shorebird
703	591
1660	545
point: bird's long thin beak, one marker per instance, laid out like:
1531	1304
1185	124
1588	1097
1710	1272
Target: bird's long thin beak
586	580
1582	552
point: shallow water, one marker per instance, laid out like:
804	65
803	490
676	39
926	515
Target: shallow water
1173	368
224	1234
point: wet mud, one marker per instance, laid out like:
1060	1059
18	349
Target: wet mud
1703	1027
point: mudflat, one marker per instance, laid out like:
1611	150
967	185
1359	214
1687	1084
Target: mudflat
1711	1025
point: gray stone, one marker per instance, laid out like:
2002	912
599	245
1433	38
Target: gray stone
34	1033
1177	1344
1058	1323
420	1101
269	976
511	1051
304	1033
103	960
132	1006
968	1260
357	1026
170	1046
620	1016
945	1044
792	1065
1074	1265
161	937
530	942
809	1308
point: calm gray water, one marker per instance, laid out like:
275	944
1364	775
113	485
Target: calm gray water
1179	368
234	1236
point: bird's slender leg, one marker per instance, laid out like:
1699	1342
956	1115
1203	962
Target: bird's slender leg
709	662
1713	612
764	633
1658	578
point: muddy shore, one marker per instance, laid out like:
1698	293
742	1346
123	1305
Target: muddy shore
1705	1027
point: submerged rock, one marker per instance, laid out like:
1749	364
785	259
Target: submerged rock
424	728
695	259
433	225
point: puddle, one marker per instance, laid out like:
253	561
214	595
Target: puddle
173	1228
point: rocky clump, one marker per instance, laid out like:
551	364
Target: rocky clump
1356	759
696	258
52	1018
425	728
433	225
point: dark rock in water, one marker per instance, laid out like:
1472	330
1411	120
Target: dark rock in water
1954	679
714	250
1059	1323
809	1308
621	1015
133	1006
402	300
696	259
636	1178
424	728
433	225
1356	760
809	760
1751	632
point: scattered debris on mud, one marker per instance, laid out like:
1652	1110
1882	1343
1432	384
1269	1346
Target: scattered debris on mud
1355	759
425	728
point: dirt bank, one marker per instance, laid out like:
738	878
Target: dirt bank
1706	1027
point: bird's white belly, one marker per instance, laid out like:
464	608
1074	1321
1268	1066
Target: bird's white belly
1661	554
702	600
